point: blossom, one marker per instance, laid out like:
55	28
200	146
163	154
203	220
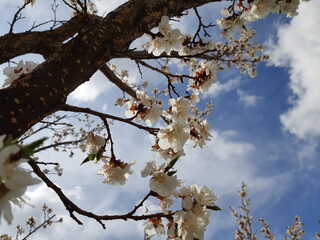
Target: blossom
13	179
189	47
165	203
189	226
199	131
154	226
94	143
149	168
143	107
169	41
167	154
186	194
153	114
180	108
14	73
173	136
204	195
161	182
204	76
116	172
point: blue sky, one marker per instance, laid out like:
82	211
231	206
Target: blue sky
266	134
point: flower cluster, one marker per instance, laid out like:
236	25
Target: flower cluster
204	75
161	182
13	179
168	40
115	172
197	202
143	107
15	73
238	15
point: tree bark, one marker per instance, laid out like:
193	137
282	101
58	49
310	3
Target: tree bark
45	90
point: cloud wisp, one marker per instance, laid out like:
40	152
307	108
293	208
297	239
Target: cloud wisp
298	48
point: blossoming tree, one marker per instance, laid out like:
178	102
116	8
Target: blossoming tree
73	50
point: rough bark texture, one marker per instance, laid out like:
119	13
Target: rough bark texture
98	40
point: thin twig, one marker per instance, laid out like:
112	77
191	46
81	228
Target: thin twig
71	207
71	108
35	229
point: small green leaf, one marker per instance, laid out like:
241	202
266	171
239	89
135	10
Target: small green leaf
85	160
29	149
170	173
99	154
215	208
90	157
172	162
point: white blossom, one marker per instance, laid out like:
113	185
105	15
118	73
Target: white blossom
189	226
144	108
204	195
94	143
160	182
154	226
173	136
149	168
13	180
153	114
116	173
169	41
204	76
14	73
165	203
180	109
168	154
163	184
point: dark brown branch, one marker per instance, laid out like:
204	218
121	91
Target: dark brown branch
17	15
70	108
47	163
58	144
140	204
44	43
144	55
109	138
117	81
163	72
43	91
71	207
38	227
47	124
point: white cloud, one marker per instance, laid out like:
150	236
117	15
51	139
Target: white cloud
246	99
224	164
89	91
298	47
221	88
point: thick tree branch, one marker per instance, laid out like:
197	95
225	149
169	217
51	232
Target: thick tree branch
45	90
44	43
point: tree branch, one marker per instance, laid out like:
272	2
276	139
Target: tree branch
45	90
117	81
71	108
71	207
